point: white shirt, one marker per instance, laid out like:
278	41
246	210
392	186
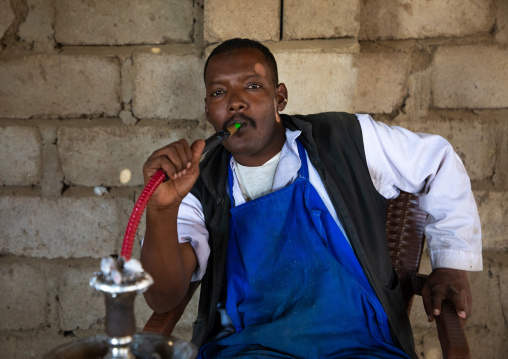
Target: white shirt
397	160
256	181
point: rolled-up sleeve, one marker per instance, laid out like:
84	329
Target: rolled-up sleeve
427	165
192	229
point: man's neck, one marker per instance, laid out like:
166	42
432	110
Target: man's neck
260	158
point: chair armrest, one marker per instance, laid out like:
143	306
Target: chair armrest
450	327
164	323
450	330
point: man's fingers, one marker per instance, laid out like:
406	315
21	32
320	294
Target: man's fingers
180	155
184	152
437	299
174	159
447	284
460	305
427	303
177	161
197	150
162	162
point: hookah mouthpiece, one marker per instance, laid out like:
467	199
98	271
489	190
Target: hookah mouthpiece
220	136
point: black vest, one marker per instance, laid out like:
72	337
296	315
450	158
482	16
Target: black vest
334	144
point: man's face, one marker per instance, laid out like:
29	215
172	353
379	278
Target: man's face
240	89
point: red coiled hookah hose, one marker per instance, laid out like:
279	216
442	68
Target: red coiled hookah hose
137	212
155	181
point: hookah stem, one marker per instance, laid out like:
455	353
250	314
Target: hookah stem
218	137
155	181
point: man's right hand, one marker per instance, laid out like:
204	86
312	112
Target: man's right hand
170	263
181	164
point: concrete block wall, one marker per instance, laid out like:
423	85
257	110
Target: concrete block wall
89	89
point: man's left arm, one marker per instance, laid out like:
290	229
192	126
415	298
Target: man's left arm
428	166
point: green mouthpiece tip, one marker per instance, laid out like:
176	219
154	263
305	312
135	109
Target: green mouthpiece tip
237	125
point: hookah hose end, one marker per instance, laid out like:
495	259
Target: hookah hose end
220	136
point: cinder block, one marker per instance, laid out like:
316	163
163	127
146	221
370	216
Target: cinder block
503	289
79	305
21	147
141	311
320	19
493	209
479	159
386	19
52	180
486	343
38	25
382	81
113	156
470	77
120	22
257	20
489	307
6	16
431	347
317	81
24	299
126	85
168	86
59	86
30	344
500	178
419	335
62	227
490	280
502	22
418	99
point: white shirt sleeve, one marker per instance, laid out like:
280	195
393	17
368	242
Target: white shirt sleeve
427	165
192	228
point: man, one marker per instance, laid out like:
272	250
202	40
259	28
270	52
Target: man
284	224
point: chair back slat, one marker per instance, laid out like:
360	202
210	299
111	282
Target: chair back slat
405	223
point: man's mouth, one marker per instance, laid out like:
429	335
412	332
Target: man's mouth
240	118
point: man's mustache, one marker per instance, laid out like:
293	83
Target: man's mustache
234	118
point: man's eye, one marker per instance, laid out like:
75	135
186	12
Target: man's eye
216	93
254	86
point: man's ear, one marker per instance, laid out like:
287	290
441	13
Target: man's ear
282	97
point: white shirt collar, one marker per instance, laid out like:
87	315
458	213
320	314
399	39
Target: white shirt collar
286	172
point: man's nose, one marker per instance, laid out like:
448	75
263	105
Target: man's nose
237	102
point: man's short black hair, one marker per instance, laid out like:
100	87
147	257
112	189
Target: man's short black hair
237	43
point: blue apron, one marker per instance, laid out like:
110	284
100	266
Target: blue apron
295	288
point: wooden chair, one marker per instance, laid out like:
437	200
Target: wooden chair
404	231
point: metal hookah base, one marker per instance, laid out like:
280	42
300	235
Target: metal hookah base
143	346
